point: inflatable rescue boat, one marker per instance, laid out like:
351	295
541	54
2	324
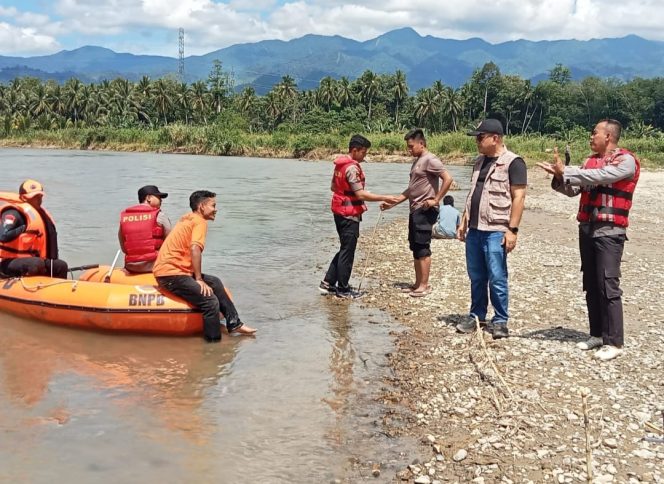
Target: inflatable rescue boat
101	299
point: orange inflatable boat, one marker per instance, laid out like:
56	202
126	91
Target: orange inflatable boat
128	303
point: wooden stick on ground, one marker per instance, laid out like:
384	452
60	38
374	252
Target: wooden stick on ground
586	425
480	335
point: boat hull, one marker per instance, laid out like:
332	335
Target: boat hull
114	307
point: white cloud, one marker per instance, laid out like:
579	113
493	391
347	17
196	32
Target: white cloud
21	40
212	24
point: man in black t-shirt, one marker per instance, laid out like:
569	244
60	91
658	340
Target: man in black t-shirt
490	224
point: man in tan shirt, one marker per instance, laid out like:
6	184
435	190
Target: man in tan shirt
424	194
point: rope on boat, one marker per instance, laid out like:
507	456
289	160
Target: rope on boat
39	285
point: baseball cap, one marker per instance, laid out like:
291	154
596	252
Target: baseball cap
489	125
150	190
31	189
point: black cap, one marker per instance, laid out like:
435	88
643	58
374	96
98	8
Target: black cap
150	190
489	125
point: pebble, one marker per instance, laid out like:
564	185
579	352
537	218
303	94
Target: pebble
611	443
460	455
603	479
423	480
644	454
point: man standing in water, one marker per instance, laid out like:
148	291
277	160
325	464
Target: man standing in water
606	183
348	197
178	269
424	194
490	224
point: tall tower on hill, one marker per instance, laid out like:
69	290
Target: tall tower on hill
181	54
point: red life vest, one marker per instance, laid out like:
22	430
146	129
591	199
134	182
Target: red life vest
608	203
39	238
141	234
344	200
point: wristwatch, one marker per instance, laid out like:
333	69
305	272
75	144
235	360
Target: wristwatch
514	230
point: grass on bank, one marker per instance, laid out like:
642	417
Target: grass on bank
214	140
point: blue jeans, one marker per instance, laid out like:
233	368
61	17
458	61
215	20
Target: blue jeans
486	260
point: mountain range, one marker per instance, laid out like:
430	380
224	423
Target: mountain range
424	59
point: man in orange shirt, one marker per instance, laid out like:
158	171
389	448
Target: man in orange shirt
178	269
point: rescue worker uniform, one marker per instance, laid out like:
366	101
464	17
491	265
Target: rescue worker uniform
347	209
606	185
28	238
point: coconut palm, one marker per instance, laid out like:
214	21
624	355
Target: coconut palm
425	106
369	84
163	98
72	92
399	92
345	94
183	100
326	92
200	98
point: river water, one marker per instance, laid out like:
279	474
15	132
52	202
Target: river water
293	404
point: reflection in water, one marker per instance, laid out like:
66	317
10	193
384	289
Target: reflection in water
342	358
289	406
171	380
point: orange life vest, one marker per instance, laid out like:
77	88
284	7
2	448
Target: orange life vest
39	239
344	200
608	203
141	234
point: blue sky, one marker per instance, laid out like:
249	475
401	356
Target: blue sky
35	27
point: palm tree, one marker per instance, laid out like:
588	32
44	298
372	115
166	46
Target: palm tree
451	104
438	89
199	99
56	100
399	92
163	99
39	101
286	92
425	106
273	107
368	88
326	92
183	100
247	99
345	94
72	91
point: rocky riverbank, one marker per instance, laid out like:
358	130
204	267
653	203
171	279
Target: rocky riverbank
512	410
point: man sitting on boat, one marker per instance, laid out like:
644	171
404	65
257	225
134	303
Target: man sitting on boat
178	269
143	228
28	239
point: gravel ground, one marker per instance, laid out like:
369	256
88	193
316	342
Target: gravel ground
512	410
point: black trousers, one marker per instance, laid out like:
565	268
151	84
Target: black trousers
342	264
600	263
188	289
420	225
34	266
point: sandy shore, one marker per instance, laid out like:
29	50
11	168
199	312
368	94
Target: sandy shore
513	412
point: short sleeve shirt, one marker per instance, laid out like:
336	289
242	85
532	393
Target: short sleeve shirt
174	257
517	173
424	179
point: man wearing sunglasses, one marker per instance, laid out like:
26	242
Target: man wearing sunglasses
490	224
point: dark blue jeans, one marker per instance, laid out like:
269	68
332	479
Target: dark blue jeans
486	260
